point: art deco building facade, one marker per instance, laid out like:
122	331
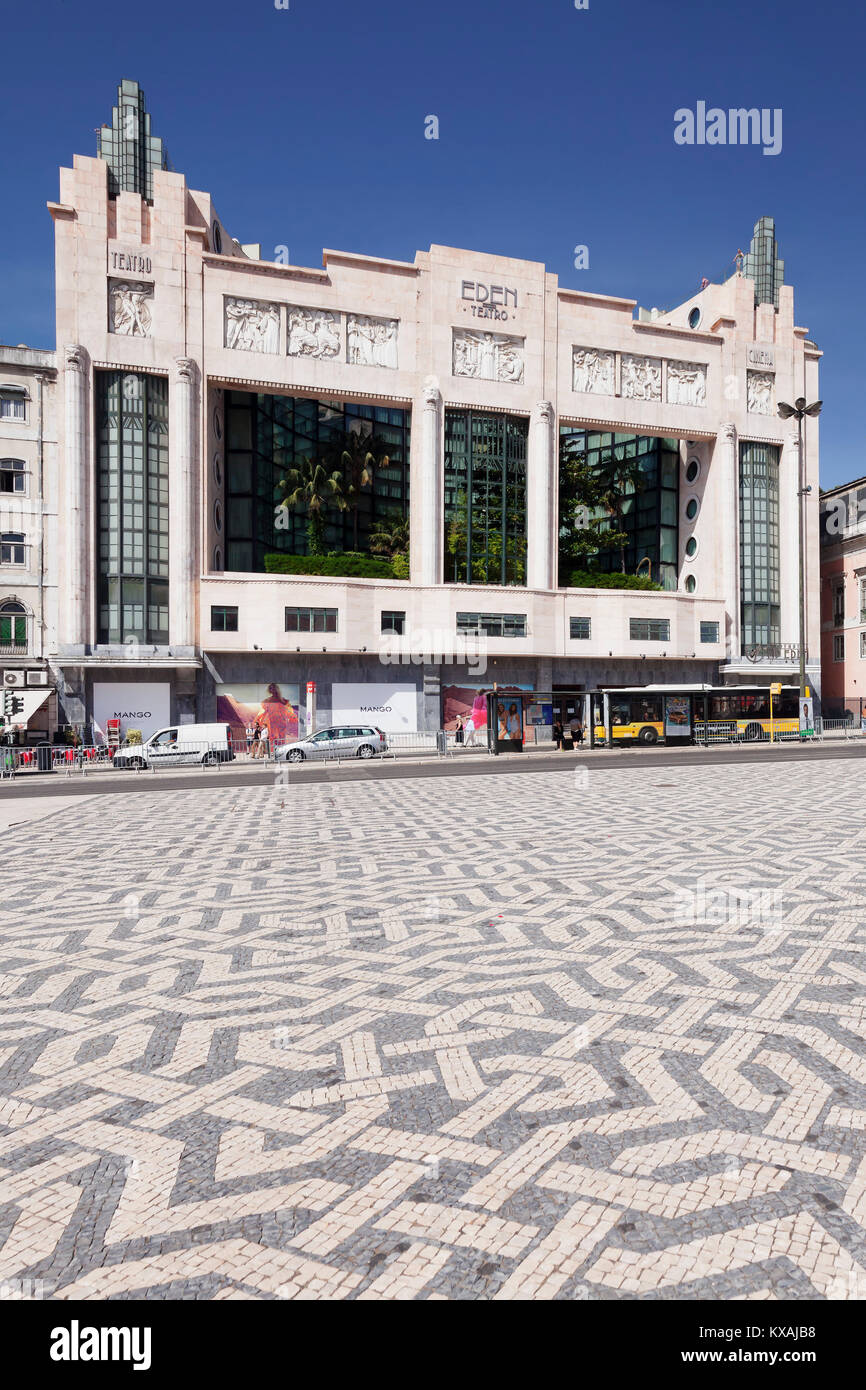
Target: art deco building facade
192	375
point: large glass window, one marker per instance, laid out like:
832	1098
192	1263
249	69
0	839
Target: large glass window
268	435
132	471
579	628
485	498
641	474
759	544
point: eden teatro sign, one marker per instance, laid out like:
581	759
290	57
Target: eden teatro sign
130	262
488	301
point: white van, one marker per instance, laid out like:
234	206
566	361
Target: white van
205	744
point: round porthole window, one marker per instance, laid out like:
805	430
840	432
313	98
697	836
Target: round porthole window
691	547
691	584
218	516
217	425
217	559
217	238
692	508
694	317
217	470
693	468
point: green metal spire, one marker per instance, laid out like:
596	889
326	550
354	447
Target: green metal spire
762	263
128	147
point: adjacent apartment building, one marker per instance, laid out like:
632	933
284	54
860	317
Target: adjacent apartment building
192	376
843	600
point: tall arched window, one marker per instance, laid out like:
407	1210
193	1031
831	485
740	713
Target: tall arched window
13	627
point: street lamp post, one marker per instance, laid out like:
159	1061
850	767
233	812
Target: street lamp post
798	411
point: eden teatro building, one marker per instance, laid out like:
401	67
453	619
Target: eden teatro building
235	473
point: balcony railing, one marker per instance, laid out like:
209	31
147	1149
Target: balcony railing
13	648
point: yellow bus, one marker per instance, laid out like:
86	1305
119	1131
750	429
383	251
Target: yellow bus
651	714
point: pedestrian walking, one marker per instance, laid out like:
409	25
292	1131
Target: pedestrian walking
257	736
557	734
458	729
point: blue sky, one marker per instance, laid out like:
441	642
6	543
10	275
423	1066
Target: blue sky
556	129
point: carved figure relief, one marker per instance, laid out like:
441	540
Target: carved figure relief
593	371
641	378
371	342
759	392
313	333
130	308
488	356
687	383
252	326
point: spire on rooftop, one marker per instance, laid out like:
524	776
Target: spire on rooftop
127	145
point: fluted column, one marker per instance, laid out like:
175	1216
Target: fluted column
540	494
74	532
182	522
427	497
726	454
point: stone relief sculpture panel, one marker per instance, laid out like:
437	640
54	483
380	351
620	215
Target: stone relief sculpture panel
488	356
641	378
593	371
130	308
371	342
252	326
313	333
759	392
687	383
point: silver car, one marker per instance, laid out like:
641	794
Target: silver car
342	741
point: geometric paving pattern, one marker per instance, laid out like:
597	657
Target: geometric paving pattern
542	1035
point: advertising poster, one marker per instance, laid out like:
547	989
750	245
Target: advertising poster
391	708
678	720
807	716
509	723
144	705
274	707
539	715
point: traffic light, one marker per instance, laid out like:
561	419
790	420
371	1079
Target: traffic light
12	704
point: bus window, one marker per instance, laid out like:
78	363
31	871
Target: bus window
620	711
646	709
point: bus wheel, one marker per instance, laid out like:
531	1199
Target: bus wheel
648	735
753	732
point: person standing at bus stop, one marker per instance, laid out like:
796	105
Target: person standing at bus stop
576	732
557	734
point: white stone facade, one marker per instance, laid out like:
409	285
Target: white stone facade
408	334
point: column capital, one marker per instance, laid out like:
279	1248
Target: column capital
544	411
432	396
728	432
75	358
184	369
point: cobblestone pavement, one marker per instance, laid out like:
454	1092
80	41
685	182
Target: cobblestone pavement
512	1038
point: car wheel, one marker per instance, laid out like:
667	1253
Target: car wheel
210	759
648	735
138	764
365	751
294	755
